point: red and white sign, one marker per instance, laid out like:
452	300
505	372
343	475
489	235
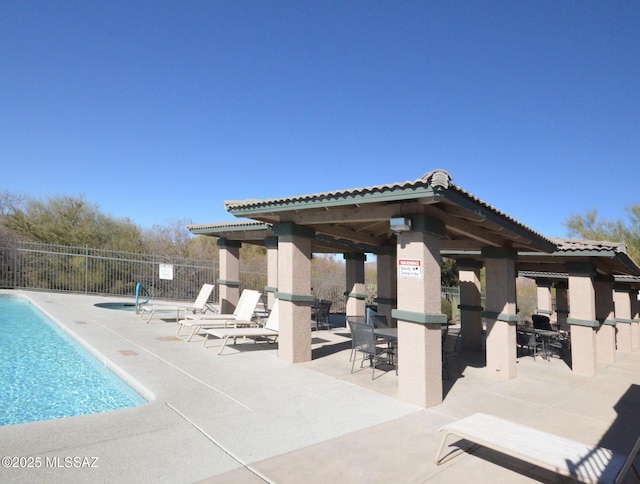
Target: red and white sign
411	268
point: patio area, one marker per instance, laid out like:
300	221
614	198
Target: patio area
247	416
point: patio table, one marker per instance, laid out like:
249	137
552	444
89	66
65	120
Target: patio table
390	335
547	337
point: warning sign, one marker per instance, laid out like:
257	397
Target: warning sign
166	271
411	268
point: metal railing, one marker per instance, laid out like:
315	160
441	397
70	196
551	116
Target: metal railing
32	265
29	265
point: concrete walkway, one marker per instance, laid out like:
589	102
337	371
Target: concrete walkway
246	417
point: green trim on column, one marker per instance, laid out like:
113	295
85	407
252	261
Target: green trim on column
544	311
609	322
271	242
386	300
289	228
222	282
419	318
498	253
625	321
469	307
355	295
304	298
270	289
583	322
232	244
508	318
428	225
359	257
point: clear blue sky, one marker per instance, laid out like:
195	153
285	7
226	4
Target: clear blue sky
159	110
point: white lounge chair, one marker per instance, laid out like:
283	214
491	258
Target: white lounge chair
270	330
244	312
580	462
200	305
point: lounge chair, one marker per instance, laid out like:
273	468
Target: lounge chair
580	462
200	305
244	313
270	330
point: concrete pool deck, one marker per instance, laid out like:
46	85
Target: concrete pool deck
247	417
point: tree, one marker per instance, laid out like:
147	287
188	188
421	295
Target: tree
66	220
203	247
9	204
590	226
449	272
171	239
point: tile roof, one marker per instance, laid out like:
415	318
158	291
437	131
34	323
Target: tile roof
438	181
229	226
582	245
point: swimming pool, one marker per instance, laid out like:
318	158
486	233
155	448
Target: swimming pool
46	374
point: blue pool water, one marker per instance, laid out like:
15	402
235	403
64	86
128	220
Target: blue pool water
45	374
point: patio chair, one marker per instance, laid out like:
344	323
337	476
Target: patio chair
268	331
528	340
321	317
244	312
450	344
365	343
353	319
540	321
199	306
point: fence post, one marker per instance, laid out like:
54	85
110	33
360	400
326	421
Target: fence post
86	269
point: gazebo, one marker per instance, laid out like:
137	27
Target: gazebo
407	226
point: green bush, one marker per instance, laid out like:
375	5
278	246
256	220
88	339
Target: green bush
446	308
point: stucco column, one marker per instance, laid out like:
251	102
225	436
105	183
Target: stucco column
356	292
229	282
544	298
606	334
387	280
500	311
271	243
419	313
294	292
622	301
470	304
582	318
635	316
562	304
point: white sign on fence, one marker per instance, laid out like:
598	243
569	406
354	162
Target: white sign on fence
166	271
411	268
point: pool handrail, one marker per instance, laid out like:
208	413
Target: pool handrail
141	289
